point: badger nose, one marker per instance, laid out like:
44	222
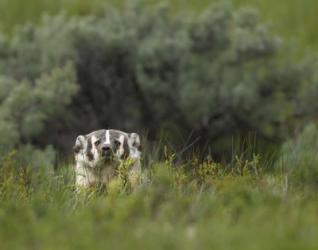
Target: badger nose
106	148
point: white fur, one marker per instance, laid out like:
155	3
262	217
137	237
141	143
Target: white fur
107	137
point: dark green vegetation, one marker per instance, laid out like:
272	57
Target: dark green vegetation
215	76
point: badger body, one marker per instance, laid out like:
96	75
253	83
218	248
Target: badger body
100	155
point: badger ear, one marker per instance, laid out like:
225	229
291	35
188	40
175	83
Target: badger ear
134	139
79	143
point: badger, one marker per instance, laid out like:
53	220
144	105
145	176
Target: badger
100	154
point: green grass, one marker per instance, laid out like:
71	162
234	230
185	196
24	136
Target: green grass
198	206
295	20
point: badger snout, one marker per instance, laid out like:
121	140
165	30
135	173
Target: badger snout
106	150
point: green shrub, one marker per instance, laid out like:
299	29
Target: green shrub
215	76
28	104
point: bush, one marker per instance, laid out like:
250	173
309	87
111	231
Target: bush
28	104
214	76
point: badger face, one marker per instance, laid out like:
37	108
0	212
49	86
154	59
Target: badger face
105	146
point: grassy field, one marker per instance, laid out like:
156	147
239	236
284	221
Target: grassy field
198	206
293	19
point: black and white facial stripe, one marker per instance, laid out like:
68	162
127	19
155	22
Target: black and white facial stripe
107	144
99	154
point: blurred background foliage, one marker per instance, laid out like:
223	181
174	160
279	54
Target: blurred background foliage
205	76
293	19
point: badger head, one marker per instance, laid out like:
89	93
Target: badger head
106	146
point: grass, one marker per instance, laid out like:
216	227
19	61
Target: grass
293	19
193	206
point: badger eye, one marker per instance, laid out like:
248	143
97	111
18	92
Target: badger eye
117	143
97	142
